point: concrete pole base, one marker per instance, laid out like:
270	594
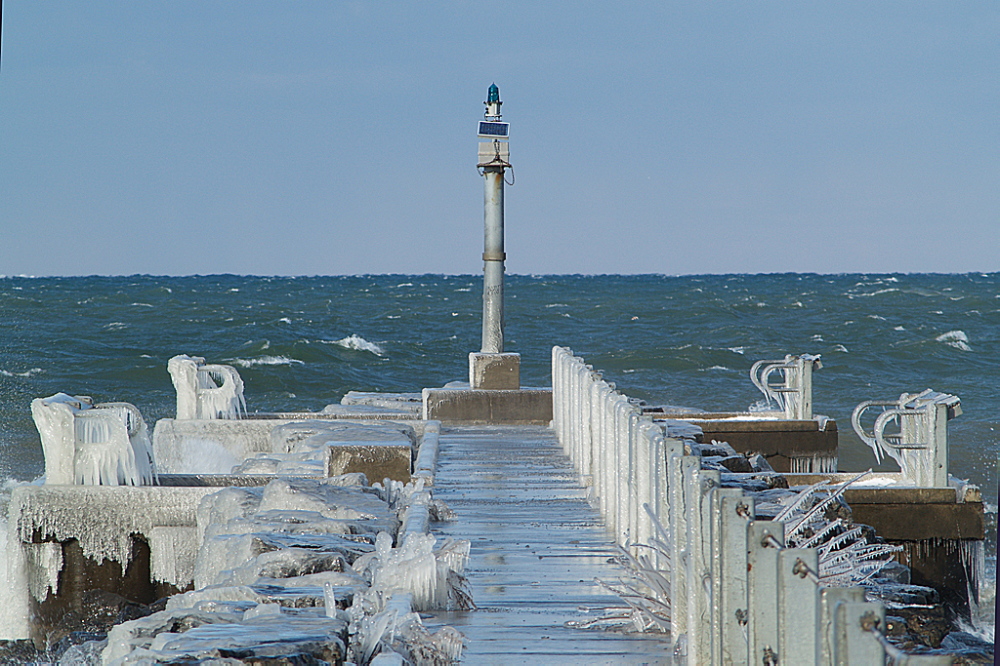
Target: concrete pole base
501	372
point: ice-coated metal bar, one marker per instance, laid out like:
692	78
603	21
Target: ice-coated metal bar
735	511
798	604
762	585
834	634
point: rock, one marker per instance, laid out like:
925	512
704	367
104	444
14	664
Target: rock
907	594
895	625
99	612
971	649
74	639
18	652
927	625
895	572
760	464
736	464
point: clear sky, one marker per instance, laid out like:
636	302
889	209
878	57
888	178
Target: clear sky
647	137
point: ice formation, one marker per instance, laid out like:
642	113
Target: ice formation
417	569
103	519
305	555
87	444
206	391
846	558
14	603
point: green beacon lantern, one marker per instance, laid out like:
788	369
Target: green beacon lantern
492	128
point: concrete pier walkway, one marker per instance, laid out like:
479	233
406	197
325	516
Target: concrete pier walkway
537	546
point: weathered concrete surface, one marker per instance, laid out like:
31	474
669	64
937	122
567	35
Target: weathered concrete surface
495	371
779	441
525	406
537	546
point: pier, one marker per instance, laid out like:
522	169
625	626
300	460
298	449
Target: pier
588	529
537	547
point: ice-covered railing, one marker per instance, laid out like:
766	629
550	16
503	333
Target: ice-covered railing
206	391
913	431
792	392
737	594
87	444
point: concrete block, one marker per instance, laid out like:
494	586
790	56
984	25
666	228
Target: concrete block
788	445
525	406
498	372
376	460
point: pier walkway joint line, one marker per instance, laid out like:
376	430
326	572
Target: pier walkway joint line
537	546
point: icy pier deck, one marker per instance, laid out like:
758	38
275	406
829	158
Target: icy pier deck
537	546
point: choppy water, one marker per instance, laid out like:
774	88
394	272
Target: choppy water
300	343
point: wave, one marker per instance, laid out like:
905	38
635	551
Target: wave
957	339
357	343
26	373
267	360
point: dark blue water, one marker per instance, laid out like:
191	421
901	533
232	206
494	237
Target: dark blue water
679	340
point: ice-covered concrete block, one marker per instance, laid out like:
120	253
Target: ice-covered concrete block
379	450
102	518
206	391
209	446
84	443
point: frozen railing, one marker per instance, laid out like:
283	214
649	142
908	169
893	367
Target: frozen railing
206	391
737	594
86	444
918	439
792	392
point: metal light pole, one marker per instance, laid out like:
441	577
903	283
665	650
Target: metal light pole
491	368
493	158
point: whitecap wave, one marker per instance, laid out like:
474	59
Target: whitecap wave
26	373
840	348
267	360
878	292
357	343
737	350
957	339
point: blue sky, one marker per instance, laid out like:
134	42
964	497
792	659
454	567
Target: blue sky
339	137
